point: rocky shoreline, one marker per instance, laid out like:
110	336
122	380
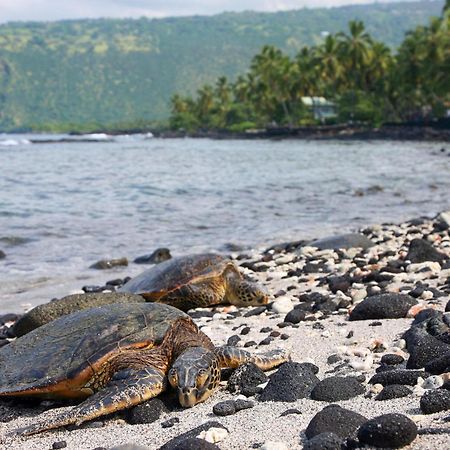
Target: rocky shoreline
366	318
397	132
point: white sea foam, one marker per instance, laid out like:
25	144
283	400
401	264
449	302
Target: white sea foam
14	142
96	136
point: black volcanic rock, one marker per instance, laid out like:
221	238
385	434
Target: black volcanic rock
179	442
226	408
442	221
105	264
383	306
339	283
146	412
334	389
295	316
344	241
392	359
388	430
245	379
435	400
241	404
423	348
421	251
385	367
289	383
324	441
393	391
334	419
426	314
439	365
398	376
193	443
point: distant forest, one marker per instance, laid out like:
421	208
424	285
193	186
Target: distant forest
87	75
349	78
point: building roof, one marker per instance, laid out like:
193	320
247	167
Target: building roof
316	101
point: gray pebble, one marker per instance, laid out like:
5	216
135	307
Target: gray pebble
226	408
170	423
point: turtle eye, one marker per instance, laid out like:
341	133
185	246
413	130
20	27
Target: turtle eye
202	377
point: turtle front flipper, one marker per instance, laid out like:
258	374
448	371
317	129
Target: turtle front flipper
127	388
234	357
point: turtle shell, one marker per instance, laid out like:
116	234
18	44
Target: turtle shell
176	272
59	356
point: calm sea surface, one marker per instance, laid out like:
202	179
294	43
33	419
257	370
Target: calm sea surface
65	205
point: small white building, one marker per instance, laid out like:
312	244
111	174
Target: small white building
321	107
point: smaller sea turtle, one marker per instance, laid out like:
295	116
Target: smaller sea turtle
158	256
196	280
117	356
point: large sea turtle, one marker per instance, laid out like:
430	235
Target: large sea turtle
117	356
196	280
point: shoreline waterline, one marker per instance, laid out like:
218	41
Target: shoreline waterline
65	206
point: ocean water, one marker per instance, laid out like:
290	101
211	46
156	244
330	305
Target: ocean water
65	205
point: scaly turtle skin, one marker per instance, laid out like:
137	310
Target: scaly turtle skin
117	356
197	280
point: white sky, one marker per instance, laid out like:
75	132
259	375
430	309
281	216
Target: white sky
48	10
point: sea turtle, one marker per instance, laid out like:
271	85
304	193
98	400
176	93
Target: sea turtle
116	356
196	280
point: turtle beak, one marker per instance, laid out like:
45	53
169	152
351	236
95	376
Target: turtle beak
187	397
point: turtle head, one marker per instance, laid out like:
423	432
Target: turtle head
246	293
195	374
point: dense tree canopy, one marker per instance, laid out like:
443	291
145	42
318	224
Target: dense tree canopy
364	79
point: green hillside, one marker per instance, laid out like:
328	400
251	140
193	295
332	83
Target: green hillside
81	74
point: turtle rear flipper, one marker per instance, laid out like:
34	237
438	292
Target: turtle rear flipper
118	394
234	357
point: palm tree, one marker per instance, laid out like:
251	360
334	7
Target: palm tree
222	93
178	104
183	113
436	59
308	82
354	52
424	65
354	49
270	88
331	69
205	104
378	65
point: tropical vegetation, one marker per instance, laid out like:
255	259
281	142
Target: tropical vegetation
83	75
365	80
